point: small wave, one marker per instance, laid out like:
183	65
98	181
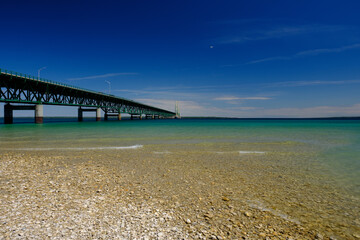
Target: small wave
165	152
251	152
242	152
261	207
78	148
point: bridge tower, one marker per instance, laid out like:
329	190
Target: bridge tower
177	111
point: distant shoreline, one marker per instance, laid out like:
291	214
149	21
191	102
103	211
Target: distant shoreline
317	118
234	118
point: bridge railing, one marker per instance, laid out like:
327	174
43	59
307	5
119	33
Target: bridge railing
17	74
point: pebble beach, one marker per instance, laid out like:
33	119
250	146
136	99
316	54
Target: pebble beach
51	198
46	196
199	190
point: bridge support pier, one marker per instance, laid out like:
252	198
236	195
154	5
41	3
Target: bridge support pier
80	115
81	110
107	115
149	116
98	114
133	116
39	113
9	116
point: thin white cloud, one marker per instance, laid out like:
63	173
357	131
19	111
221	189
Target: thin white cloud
231	98
195	108
188	108
171	94
176	88
313	83
212	104
269	59
278	32
312	52
103	76
242	21
317	111
328	50
243	108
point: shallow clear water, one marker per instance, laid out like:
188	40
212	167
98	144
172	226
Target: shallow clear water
322	153
336	141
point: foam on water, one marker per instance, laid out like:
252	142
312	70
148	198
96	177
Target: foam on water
164	152
259	205
242	152
78	148
251	152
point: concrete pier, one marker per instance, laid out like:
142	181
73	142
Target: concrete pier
9	115
117	115
149	116
133	116
80	115
98	114
39	113
81	110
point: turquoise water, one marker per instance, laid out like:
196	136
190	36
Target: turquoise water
336	141
320	158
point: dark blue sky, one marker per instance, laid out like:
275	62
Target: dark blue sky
217	58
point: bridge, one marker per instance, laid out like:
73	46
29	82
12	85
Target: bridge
32	93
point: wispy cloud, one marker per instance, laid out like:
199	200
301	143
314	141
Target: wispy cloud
231	98
290	112
312	52
183	92
242	21
194	108
313	83
189	107
234	103
268	59
317	111
276	32
243	108
328	50
108	75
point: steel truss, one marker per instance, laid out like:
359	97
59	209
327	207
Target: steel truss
20	88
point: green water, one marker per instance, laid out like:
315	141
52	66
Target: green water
336	141
319	155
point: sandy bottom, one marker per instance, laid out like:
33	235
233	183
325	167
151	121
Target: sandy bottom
199	191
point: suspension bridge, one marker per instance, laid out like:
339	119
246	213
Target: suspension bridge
24	92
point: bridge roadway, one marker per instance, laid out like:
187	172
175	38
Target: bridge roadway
25	89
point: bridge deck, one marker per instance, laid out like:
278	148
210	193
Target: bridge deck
22	88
